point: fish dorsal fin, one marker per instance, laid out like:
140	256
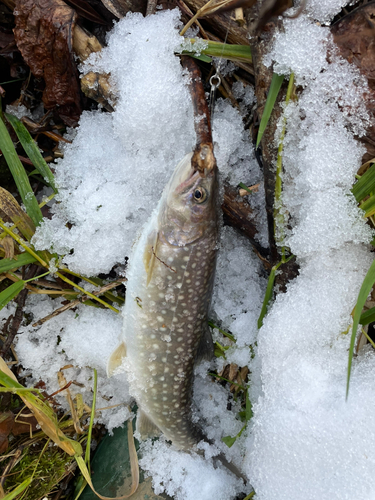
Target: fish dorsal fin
206	345
149	255
115	361
145	427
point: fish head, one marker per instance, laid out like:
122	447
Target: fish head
190	204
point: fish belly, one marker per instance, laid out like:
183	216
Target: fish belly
163	325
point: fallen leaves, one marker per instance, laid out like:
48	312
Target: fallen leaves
354	35
43	33
16	425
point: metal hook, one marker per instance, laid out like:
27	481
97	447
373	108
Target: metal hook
214	85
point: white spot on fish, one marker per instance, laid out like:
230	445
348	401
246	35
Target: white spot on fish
170	259
186	258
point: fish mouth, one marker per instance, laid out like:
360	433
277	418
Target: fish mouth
187	176
189	183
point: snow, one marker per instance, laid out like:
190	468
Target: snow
81	340
304	440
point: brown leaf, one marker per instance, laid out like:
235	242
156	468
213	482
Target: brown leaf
24	423
354	35
6	424
12	210
8	244
43	34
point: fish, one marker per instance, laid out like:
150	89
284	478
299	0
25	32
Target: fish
169	289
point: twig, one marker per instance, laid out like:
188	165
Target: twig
203	158
75	302
186	10
18	315
151	7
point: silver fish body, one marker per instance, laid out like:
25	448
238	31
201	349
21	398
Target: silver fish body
169	290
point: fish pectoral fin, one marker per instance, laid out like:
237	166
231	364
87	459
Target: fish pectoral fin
206	345
115	361
145	427
150	254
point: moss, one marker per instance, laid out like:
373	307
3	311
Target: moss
47	467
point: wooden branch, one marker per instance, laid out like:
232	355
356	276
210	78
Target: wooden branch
203	157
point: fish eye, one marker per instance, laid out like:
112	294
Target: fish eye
200	195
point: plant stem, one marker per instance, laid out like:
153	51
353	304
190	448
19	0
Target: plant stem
279	221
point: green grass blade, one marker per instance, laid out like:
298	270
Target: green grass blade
32	150
11	292
92	417
229	440
22	260
268	295
19	174
367	317
366	287
365	185
18	490
224	50
368	206
275	87
202	57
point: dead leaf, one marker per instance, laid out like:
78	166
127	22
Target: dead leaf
354	35
43	32
9	206
25	423
97	86
47	423
6	424
8	244
84	43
